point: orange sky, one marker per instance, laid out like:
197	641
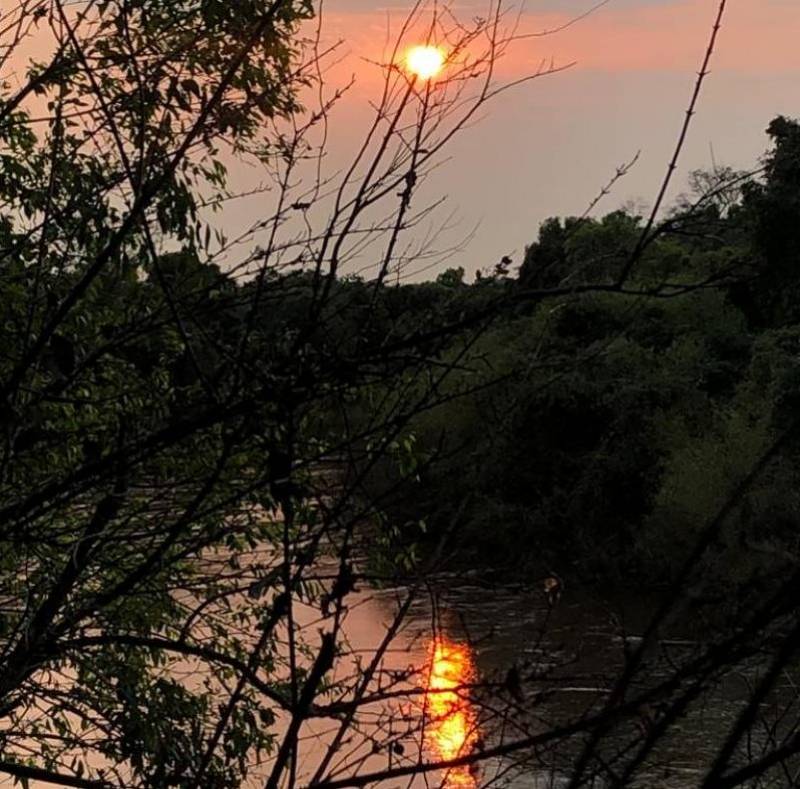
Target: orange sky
549	147
760	36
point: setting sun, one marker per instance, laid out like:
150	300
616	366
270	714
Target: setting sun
425	61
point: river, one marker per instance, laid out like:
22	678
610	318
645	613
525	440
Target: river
461	634
474	666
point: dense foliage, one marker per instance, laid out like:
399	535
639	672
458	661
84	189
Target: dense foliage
201	440
621	421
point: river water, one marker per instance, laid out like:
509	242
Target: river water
460	634
476	665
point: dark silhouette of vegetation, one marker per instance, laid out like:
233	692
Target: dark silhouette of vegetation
213	450
618	422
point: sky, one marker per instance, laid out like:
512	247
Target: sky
548	147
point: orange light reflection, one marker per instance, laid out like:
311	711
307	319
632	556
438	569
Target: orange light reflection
452	726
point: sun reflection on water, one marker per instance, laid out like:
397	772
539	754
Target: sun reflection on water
452	726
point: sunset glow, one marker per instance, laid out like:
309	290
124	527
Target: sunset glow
452	729
425	61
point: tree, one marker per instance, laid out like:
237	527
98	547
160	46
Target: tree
452	278
178	436
189	421
771	208
120	415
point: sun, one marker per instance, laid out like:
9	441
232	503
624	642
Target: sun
425	61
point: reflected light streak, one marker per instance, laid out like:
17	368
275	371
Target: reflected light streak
452	728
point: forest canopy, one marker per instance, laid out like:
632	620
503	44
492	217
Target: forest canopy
620	421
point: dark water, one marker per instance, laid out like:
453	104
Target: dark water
567	657
445	690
